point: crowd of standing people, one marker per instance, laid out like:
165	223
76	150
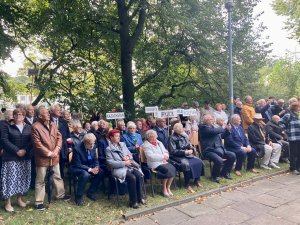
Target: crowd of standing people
36	138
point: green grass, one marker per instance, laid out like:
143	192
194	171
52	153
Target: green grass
104	210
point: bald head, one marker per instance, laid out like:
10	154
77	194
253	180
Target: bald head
275	119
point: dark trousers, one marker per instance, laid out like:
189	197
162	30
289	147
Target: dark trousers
226	161
241	156
294	155
285	152
33	173
83	178
187	177
62	163
134	181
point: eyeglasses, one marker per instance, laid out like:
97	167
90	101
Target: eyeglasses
18	114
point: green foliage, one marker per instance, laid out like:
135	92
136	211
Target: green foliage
280	79
291	9
85	50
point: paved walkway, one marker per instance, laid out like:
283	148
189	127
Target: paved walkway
273	201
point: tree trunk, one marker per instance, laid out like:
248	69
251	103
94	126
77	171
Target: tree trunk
126	62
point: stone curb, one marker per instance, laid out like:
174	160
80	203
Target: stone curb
145	211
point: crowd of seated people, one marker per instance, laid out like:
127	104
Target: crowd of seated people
269	131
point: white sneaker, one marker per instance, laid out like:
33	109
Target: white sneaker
273	165
265	167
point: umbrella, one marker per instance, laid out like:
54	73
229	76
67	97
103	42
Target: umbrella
49	184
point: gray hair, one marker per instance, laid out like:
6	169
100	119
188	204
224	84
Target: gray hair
94	123
206	117
55	106
75	123
131	124
89	137
233	117
150	133
8	114
39	109
177	127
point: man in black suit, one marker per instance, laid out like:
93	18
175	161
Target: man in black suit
85	165
63	128
214	149
31	119
162	131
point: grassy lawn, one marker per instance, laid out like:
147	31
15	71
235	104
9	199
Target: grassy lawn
104	211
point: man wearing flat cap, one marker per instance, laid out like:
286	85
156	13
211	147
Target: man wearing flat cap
270	152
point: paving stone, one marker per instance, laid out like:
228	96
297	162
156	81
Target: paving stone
269	200
287	212
194	209
251	208
207	219
286	193
261	187
233	216
141	221
286	179
269	219
169	216
217	202
236	195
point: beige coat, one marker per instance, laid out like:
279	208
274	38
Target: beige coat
44	141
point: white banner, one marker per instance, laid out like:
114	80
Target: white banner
179	111
167	113
189	112
116	115
151	109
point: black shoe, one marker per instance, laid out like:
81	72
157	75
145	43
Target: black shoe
135	206
79	201
40	207
91	196
66	198
215	179
228	177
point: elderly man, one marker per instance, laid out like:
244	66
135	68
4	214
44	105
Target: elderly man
247	112
63	127
214	149
277	134
238	108
270	152
47	142
237	142
30	119
85	166
162	131
77	134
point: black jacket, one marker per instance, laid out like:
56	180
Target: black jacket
80	158
274	131
13	140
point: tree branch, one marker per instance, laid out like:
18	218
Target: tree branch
139	27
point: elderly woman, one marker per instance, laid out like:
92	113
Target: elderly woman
77	134
85	165
182	152
219	113
125	168
157	158
133	140
86	127
16	167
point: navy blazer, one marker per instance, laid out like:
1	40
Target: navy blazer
211	139
63	128
80	158
162	135
235	138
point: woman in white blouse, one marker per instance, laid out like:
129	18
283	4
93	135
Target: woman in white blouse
157	158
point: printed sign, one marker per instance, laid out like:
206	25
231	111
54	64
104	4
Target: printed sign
115	115
179	111
151	109
167	113
189	112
